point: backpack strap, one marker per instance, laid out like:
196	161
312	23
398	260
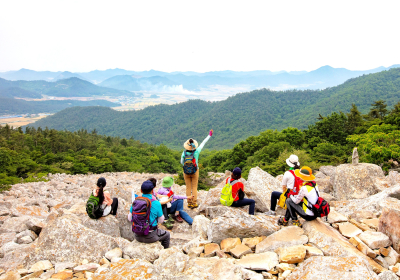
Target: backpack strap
313	185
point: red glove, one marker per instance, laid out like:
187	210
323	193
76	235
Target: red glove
171	193
211	132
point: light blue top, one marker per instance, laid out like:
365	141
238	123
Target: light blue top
197	152
155	210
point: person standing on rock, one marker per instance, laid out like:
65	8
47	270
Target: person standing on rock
107	204
190	162
176	203
302	202
156	217
289	183
238	191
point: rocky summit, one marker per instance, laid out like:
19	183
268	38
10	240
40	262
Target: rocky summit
45	232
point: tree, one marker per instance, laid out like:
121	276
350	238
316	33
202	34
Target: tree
378	110
354	119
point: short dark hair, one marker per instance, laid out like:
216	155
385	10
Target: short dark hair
236	177
154	181
149	192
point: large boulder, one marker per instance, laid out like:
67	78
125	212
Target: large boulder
67	240
333	268
356	181
146	251
286	237
212	198
200	226
242	225
332	243
328	170
107	225
389	222
369	207
261	184
164	266
125	226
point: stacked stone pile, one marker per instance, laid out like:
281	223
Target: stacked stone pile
46	234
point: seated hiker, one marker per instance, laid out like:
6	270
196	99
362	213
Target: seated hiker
289	183
301	203
164	200
100	203
176	204
238	191
145	214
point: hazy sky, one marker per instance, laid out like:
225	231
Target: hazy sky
198	35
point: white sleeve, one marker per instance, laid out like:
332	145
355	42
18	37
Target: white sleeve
298	198
203	143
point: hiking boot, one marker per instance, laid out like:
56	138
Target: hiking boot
170	219
283	222
270	213
194	205
177	218
296	223
168	225
190	205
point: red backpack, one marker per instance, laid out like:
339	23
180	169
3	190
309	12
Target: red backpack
297	185
321	207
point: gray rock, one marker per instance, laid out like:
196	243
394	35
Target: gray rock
200	226
328	170
356	181
388	275
147	251
286	237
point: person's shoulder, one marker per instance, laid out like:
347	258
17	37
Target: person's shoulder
156	203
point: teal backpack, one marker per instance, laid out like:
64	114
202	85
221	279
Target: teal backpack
189	163
93	208
226	193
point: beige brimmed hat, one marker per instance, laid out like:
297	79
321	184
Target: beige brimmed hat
292	160
305	174
188	146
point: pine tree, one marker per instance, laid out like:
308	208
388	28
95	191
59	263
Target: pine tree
378	110
354	119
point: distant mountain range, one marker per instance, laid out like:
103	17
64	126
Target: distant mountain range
71	87
235	118
121	79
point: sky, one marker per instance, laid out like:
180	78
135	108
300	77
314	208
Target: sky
81	36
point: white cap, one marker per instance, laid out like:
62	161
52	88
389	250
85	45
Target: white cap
292	160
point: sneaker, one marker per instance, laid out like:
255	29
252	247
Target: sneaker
177	218
168	225
170	219
296	223
270	213
283	222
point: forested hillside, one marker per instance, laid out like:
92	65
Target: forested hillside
234	119
9	106
37	152
71	87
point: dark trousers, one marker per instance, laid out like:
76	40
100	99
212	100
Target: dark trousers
293	209
114	206
244	202
157	235
177	205
274	199
165	210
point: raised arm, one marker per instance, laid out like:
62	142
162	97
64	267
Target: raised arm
205	140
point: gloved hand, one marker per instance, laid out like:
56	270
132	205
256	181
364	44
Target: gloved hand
211	132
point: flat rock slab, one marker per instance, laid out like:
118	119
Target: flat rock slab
264	261
336	217
286	237
127	269
210	249
252	242
295	254
230	243
375	240
372	223
240	250
349	230
333	268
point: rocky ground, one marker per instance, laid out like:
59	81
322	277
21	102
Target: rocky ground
46	234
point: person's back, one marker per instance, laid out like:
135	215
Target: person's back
155	216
